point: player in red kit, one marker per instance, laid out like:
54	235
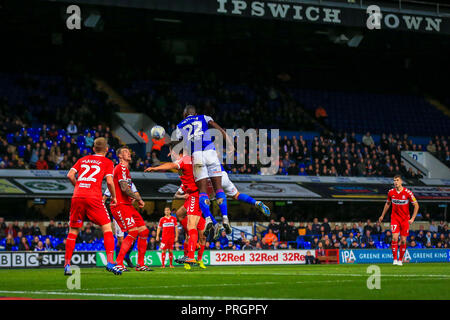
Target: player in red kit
87	201
400	198
201	240
183	163
126	216
168	225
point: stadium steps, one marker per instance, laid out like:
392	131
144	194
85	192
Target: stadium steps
114	96
438	105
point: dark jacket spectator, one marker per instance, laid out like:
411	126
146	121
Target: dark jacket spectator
35	230
51	228
326	226
284	227
24	245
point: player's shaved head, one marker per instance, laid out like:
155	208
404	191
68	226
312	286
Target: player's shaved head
100	145
189	111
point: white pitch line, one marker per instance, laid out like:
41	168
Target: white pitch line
145	296
333	274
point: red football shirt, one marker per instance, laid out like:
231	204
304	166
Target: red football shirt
400	203
91	171
121	173
168	226
187	174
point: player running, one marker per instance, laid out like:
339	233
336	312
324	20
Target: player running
126	216
184	164
117	231
87	201
168	225
400	198
194	129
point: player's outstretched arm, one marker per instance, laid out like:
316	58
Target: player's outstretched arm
416	210
71	175
385	209
112	190
164	167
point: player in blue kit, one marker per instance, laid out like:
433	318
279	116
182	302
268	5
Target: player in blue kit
199	141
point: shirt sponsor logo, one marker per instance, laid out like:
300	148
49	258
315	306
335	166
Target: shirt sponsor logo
400	202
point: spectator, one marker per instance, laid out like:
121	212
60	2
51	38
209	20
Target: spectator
368	227
41	164
315	226
230	246
283	225
51	228
87	236
433	227
48	245
293	232
39	247
275	227
10	243
254	241
377	229
241	241
217	246
157	146
388	237
143	135
223	239
152	244
24	245
368	140
10	230
321	114
270	237
326	226
61	246
247	245
72	128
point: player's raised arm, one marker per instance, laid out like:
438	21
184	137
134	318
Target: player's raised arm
164	167
215	125
112	189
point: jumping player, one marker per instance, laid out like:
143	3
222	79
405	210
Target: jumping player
184	164
400	198
201	241
194	129
168	225
126	216
232	192
87	201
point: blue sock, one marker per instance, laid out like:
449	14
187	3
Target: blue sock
246	198
223	207
205	208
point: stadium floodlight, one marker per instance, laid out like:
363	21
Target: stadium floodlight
94	21
355	41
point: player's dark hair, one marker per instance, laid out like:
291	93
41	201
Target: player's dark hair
189	111
168	206
397	176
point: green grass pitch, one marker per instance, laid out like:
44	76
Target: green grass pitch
411	281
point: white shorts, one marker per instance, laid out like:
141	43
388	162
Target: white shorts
206	164
117	231
228	187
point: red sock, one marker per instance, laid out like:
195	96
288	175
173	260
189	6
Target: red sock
394	246
185	247
163	258
171	257
192	245
200	252
142	246
402	251
108	240
70	246
126	245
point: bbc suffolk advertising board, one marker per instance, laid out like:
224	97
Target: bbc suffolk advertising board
356	256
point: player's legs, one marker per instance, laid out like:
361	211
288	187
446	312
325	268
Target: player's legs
125	221
77	214
201	242
142	243
163	258
193	235
205	202
181	213
170	258
395	230
404	232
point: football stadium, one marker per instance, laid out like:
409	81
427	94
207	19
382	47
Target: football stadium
224	150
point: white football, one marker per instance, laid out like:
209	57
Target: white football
158	132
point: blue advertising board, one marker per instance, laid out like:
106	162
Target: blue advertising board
355	256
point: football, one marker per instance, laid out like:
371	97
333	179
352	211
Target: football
158	132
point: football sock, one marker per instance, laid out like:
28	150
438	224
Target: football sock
70	246
246	198
192	245
402	251
394	249
142	246
185	247
170	258
163	258
222	202
127	243
204	206
200	252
